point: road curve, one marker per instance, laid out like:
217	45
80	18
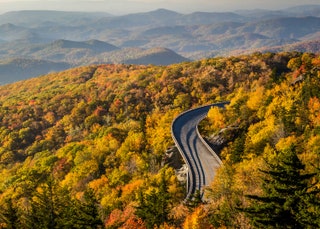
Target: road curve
201	160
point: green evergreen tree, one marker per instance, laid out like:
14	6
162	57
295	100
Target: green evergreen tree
44	207
289	199
9	214
53	207
154	208
86	212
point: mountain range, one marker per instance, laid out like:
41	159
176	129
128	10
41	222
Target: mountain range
159	37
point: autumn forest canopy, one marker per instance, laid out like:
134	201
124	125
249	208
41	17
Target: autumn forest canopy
84	148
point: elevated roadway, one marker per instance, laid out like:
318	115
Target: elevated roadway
201	160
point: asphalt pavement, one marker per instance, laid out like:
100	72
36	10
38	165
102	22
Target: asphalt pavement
201	160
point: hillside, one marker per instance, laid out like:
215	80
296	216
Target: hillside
303	46
86	52
87	144
156	56
13	70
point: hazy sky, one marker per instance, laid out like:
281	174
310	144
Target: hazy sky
129	6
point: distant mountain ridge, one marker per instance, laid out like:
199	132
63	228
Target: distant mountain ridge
157	56
63	54
19	69
94	45
303	46
289	27
163	28
37	17
87	52
159	37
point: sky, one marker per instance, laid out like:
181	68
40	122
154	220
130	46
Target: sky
117	7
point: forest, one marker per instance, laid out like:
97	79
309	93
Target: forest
83	148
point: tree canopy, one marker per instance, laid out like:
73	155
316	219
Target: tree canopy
96	136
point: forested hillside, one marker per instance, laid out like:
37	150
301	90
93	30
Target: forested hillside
84	148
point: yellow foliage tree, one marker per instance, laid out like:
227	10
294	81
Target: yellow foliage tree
256	98
216	118
286	143
261	133
314	108
197	220
158	131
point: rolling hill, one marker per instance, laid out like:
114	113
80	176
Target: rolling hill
303	46
13	70
161	36
86	52
156	56
62	54
168	29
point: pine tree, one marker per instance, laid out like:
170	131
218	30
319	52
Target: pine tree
289	200
44	206
154	208
50	207
9	214
53	207
86	214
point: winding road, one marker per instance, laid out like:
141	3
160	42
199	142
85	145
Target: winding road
201	160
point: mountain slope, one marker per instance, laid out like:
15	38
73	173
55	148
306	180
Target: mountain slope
157	56
94	45
10	31
94	137
62	54
284	28
86	52
19	69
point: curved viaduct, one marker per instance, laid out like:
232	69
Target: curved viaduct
201	160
